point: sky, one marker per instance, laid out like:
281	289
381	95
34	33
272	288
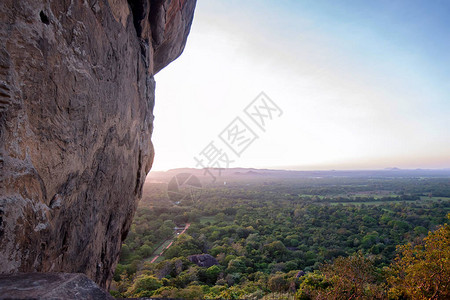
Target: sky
347	85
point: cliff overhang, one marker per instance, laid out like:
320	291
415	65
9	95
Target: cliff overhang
76	118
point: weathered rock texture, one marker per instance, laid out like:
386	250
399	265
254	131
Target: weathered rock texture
76	101
50	286
203	260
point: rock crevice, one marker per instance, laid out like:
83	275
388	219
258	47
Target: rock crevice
76	102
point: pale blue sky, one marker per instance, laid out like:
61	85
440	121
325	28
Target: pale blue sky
362	84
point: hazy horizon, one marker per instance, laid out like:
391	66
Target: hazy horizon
311	170
360	85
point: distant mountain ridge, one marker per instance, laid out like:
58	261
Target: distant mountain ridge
272	173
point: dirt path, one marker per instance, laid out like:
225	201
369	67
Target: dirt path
170	244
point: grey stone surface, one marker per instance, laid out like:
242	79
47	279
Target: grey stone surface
50	286
203	260
76	102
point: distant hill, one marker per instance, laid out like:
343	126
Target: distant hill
233	174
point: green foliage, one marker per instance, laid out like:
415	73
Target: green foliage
144	286
263	234
236	265
212	274
423	271
275	249
278	283
145	250
184	246
311	284
352	277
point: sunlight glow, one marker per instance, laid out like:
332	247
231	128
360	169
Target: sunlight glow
354	94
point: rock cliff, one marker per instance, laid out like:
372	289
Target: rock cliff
76	101
53	286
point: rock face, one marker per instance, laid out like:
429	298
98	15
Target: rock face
50	286
76	101
203	260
